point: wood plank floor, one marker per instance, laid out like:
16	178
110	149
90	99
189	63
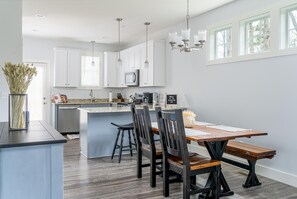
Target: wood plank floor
104	178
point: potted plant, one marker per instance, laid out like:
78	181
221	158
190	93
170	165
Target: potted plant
18	77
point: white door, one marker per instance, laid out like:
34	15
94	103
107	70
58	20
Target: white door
37	93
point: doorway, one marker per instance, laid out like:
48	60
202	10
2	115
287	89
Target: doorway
38	93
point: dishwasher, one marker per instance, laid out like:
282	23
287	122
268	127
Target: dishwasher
68	118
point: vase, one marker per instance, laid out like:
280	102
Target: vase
18	112
189	121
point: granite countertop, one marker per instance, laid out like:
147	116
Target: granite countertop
38	133
88	101
117	109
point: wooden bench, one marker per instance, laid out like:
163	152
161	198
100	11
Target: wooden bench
251	153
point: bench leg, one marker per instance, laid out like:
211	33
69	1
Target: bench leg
252	179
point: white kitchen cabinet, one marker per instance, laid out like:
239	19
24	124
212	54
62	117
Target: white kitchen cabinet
67	64
154	75
114	76
125	56
133	57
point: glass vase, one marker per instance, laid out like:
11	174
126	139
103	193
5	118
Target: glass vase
18	112
189	121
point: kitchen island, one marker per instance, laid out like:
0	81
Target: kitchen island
97	135
31	162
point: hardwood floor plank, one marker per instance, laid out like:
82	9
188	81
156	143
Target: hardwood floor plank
103	178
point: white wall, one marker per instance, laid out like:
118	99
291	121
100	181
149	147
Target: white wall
258	94
10	45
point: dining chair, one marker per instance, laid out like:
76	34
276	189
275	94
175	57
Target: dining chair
177	158
145	144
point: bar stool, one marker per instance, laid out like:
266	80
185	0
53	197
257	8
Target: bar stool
121	130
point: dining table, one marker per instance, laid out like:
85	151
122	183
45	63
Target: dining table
215	138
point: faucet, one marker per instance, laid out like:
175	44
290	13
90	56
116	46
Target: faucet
92	95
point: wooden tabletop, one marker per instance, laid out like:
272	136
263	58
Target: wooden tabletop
215	135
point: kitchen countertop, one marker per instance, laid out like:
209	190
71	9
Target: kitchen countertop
87	101
38	133
117	109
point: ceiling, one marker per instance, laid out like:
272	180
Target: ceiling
87	20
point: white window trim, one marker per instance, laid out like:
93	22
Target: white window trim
276	48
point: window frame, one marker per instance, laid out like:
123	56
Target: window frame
287	23
244	22
96	54
215	48
277	34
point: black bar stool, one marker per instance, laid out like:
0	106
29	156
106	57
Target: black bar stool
122	129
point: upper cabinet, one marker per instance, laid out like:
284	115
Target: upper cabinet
154	75
113	76
66	67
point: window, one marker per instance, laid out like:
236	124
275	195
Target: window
291	16
90	74
292	28
223	43
257	34
220	42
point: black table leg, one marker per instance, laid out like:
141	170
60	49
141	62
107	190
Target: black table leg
216	151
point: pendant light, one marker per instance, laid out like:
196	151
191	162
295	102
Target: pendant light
146	63
119	63
182	42
93	62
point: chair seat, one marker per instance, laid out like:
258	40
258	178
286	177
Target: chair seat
158	148
124	126
196	162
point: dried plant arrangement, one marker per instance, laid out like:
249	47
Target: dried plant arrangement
18	77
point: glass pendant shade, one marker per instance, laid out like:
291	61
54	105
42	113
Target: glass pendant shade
93	62
146	64
119	63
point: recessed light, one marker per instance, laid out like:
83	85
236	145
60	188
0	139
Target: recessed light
39	15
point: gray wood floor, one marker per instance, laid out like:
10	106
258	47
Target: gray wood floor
105	178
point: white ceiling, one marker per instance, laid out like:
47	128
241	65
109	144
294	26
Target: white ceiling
87	20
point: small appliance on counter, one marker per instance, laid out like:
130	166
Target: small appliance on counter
148	98
137	99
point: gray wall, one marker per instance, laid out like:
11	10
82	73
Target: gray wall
258	94
10	45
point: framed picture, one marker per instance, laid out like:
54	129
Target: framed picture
171	99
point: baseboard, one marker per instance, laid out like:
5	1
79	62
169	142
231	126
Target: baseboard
265	171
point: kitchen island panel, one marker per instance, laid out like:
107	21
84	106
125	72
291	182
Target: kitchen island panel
97	135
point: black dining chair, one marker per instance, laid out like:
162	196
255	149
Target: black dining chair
177	158
145	143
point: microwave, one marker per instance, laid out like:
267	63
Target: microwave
132	78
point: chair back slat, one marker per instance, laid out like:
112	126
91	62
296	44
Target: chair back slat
172	133
142	126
